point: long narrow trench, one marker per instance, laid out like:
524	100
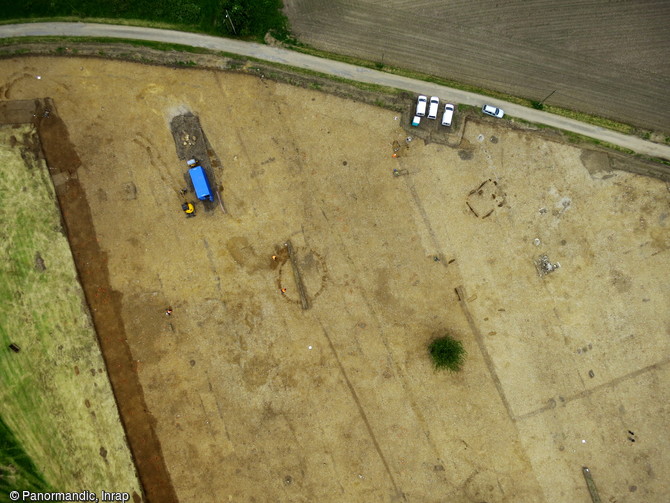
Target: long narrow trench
104	304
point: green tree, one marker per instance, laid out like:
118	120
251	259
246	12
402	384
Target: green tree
448	353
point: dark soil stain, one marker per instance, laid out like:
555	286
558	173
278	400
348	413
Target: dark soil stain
40	266
466	155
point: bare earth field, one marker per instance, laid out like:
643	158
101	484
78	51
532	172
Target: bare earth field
255	399
604	58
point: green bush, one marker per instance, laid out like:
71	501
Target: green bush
447	353
253	18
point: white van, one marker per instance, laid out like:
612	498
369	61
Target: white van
434	104
448	114
421	106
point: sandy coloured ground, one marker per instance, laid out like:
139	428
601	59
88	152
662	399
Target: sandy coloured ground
256	399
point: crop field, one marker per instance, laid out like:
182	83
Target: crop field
255	395
605	58
59	426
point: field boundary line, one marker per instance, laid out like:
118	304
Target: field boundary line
361	411
587	392
460	292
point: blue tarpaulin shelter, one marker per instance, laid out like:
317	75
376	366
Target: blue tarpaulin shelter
200	183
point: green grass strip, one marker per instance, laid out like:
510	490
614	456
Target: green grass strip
17	469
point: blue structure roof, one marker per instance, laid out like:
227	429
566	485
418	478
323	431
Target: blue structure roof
203	191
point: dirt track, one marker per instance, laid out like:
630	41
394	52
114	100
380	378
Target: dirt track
604	58
655	147
255	398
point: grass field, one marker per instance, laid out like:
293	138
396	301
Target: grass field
59	426
244	18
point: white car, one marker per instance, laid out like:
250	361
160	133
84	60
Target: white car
421	106
448	114
493	111
434	104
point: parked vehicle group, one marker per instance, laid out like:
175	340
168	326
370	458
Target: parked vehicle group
433	105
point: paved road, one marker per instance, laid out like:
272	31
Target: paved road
330	67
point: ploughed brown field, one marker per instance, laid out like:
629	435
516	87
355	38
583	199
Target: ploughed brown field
605	58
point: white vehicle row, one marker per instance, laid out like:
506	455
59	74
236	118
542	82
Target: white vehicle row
432	106
448	114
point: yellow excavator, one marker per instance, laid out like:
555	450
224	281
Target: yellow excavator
188	208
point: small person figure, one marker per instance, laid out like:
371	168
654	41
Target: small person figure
274	257
283	290
168	311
